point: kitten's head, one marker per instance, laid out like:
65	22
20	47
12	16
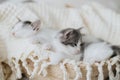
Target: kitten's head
25	29
71	40
70	37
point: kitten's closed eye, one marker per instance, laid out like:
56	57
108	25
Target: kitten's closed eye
27	22
82	44
71	44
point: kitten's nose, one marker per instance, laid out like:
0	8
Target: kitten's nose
78	51
13	34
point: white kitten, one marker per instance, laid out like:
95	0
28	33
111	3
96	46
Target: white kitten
33	32
25	29
96	52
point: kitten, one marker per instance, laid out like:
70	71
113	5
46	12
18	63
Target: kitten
70	36
96	50
65	43
24	29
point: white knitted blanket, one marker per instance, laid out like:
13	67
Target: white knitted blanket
97	20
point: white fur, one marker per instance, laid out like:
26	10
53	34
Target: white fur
90	39
20	31
63	52
49	38
41	36
97	52
45	35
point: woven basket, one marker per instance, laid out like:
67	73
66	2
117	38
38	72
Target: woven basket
109	69
55	73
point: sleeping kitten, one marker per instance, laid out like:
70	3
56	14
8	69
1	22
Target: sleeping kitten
96	50
65	43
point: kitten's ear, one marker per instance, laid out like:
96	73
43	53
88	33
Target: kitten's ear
68	33
36	25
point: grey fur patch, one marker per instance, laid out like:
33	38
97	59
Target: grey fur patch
70	36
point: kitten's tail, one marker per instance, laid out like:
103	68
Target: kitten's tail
116	50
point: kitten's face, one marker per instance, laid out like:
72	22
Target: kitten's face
25	29
70	37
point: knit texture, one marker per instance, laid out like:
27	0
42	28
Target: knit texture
96	20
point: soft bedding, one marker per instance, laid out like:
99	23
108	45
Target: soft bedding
96	19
